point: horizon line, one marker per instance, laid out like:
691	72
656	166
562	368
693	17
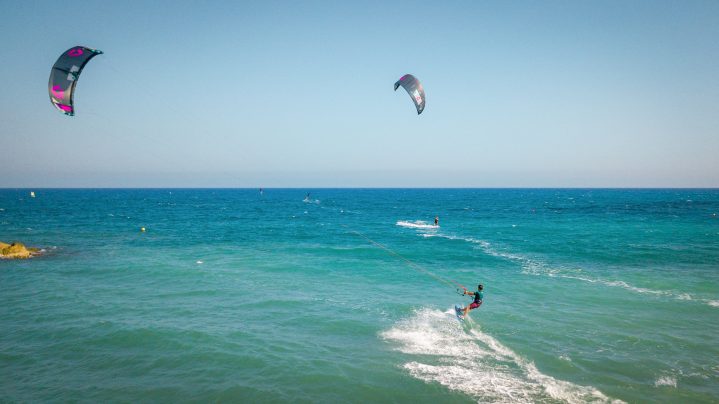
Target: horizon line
363	188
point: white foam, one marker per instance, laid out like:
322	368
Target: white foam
417	224
475	363
670	381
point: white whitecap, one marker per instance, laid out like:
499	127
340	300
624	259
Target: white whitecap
670	381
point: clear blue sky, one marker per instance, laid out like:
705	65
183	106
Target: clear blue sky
300	94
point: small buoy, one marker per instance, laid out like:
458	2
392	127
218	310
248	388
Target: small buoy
142	229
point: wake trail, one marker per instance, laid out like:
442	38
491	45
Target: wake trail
417	224
472	362
532	266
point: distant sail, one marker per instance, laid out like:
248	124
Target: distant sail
414	89
64	75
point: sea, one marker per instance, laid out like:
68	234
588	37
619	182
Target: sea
347	295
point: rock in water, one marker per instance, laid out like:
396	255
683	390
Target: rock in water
16	250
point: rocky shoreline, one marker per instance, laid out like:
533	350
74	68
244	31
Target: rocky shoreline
17	250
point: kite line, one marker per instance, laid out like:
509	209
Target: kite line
409	262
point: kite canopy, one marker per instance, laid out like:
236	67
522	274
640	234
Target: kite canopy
64	75
415	90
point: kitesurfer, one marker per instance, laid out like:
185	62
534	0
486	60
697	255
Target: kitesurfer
478	296
436	220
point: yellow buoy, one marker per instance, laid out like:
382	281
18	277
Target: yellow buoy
142	229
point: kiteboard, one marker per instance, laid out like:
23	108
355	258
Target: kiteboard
459	312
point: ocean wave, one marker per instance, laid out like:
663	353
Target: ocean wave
476	364
417	224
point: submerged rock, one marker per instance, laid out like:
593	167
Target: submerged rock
17	250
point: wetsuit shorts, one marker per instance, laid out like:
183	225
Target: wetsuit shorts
474	305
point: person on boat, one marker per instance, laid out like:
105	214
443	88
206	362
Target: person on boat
478	296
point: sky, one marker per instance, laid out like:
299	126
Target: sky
300	94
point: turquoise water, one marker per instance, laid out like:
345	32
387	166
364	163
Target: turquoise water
230	295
